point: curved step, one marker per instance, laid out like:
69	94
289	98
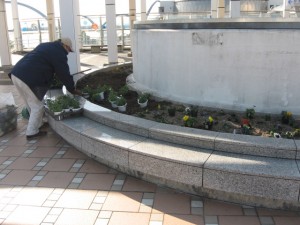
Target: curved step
235	168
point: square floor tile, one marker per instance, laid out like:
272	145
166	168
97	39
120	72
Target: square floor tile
59	165
92	166
13	151
133	184
183	220
23	164
126	218
97	182
32	196
18	177
216	208
172	203
123	201
76	199
56	179
287	220
238	220
27	215
77	217
44	152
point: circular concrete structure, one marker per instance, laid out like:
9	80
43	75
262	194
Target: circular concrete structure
225	63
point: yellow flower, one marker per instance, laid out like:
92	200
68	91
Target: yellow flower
289	114
158	106
210	119
186	118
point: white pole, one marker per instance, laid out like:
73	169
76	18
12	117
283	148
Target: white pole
51	20
5	55
111	31
69	15
17	27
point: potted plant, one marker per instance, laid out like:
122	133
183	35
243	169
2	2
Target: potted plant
112	98
123	90
55	107
87	92
121	103
143	99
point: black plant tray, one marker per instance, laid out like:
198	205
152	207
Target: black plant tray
64	114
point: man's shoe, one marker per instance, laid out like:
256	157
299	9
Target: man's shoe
39	134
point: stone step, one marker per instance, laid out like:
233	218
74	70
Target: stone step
134	146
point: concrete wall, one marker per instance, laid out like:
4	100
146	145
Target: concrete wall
227	68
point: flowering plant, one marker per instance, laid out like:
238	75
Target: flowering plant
188	121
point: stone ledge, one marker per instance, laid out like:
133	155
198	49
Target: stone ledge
244	179
225	142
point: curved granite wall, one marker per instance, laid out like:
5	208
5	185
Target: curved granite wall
231	64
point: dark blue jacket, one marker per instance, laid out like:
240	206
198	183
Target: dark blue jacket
37	68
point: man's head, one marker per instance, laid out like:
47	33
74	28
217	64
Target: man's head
67	44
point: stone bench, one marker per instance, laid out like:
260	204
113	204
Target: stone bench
243	169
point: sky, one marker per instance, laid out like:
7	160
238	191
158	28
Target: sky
87	7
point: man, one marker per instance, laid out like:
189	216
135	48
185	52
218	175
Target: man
33	74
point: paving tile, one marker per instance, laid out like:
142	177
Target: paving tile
273	212
286	220
92	166
76	199
49	140
123	201
44	152
32	196
59	165
238	220
23	164
18	177
13	151
77	217
133	184
177	219
27	215
171	203
125	218
56	179
97	181
73	153
17	141
216	208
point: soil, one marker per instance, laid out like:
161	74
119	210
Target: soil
223	121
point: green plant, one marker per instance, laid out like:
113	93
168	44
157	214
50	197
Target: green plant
112	96
287	118
123	90
189	121
209	123
120	101
191	111
250	113
88	90
143	97
54	106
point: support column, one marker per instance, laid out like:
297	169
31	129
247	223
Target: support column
17	27
214	4
111	31
5	55
51	20
132	12
221	9
69	16
235	8
143	10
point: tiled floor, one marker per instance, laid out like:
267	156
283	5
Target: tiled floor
48	182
